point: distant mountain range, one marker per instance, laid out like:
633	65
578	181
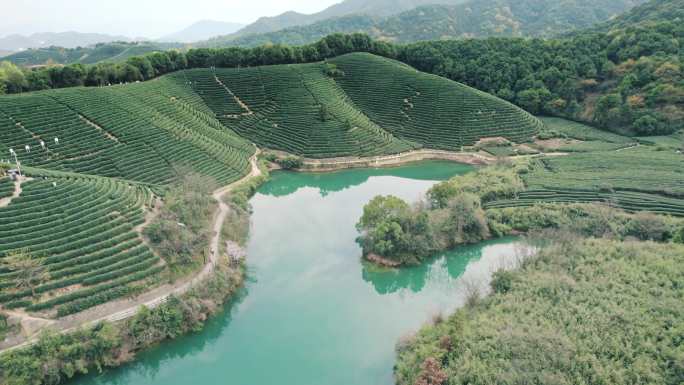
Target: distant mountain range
112	52
476	18
202	30
69	39
379	8
402	21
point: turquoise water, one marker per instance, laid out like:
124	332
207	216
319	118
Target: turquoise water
312	312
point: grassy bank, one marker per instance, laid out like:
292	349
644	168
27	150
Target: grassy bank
184	217
58	357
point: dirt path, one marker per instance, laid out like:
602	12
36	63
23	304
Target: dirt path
242	104
627	148
123	309
330	164
4	202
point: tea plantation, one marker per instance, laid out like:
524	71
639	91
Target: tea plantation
354	105
141	132
98	156
6	188
84	228
609	169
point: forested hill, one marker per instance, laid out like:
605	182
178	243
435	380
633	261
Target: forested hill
629	80
112	52
379	8
651	12
475	18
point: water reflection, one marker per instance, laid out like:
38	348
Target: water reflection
148	364
331	182
444	268
388	280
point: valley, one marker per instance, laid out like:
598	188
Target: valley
501	203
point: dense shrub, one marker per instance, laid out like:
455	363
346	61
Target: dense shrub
467	222
502	281
679	234
181	231
648	227
561	310
488	184
393	230
290	163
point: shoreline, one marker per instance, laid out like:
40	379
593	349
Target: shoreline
343	163
125	309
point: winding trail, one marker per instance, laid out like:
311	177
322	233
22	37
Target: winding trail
123	309
4	202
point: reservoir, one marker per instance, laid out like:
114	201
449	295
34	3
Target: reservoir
312	312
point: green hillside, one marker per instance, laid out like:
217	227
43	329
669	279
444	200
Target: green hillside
118	147
354	105
85	227
116	52
142	132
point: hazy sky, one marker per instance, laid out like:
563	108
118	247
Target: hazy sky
138	18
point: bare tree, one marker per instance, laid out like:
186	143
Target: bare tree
473	291
29	272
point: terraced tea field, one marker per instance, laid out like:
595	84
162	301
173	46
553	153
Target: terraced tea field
369	106
99	156
84	228
640	169
428	109
615	171
6	188
141	132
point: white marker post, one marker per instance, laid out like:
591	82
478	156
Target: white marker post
16	161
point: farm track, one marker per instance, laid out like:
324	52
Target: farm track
17	191
123	309
473	158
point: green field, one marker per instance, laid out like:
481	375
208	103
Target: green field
142	132
606	168
6	187
373	106
84	228
590	138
